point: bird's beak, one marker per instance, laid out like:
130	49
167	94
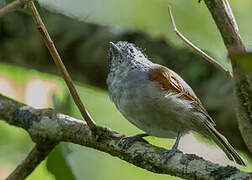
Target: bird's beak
114	48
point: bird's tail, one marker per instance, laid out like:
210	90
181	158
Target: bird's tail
223	143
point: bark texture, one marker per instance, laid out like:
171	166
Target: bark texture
46	125
225	21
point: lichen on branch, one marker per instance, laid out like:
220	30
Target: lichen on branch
46	125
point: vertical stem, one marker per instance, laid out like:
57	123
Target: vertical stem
225	21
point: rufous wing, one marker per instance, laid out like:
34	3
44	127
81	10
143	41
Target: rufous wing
171	81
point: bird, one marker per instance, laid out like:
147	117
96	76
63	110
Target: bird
158	101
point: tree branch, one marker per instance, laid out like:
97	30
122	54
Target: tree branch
198	50
12	6
47	125
61	67
37	154
225	21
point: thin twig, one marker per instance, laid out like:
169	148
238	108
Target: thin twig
199	51
57	59
12	6
33	159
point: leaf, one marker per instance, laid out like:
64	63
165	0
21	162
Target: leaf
57	163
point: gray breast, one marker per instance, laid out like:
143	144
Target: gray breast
143	103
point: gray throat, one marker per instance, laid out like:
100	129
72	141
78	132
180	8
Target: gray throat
118	76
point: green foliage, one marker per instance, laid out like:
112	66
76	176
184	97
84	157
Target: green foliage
57	163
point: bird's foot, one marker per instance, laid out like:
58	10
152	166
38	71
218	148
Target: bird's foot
169	153
126	141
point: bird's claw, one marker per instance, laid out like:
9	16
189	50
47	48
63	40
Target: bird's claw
168	154
126	141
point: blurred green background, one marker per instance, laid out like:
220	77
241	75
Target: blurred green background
81	31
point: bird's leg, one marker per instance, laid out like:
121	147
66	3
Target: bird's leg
128	140
169	153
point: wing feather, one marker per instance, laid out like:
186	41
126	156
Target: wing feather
171	81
